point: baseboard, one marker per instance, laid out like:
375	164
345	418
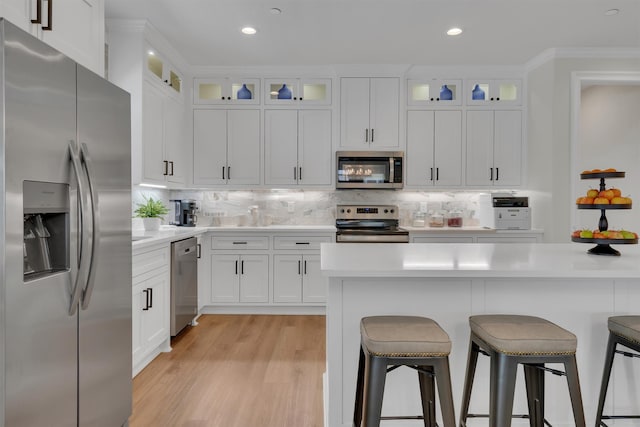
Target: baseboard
244	309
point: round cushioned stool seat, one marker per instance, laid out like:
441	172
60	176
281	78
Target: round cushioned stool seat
513	334
626	326
404	336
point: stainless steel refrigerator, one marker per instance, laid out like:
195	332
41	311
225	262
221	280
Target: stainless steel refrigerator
65	299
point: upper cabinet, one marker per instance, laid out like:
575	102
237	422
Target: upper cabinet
434	92
74	27
226	90
369	113
159	69
493	92
296	91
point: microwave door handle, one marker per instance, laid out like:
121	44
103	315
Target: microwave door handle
84	236
391	166
95	223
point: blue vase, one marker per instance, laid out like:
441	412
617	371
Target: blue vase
477	93
284	92
445	93
244	93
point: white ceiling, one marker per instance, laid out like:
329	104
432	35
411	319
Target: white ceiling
321	32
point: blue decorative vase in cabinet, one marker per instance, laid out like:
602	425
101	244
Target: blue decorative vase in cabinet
284	92
445	93
244	92
477	93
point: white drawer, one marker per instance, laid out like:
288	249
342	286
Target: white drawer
300	242
240	242
152	260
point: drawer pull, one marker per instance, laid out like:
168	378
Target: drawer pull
303	243
239	243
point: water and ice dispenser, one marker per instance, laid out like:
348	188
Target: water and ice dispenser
46	228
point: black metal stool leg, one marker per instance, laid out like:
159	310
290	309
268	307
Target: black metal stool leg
502	389
357	410
441	368
534	380
472	361
571	368
428	396
606	376
374	390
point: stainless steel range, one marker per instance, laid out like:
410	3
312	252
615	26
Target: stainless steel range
369	224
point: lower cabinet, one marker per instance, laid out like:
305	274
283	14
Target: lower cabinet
524	236
239	278
297	278
150	305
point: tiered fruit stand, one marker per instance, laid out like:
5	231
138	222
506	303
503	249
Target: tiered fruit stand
603	245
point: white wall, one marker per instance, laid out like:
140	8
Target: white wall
549	139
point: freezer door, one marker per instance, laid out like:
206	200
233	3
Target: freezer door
105	317
40	337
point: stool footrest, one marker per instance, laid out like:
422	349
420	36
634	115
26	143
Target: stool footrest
523	416
627	354
544	368
617	417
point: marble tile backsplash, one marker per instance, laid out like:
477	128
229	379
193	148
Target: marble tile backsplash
303	207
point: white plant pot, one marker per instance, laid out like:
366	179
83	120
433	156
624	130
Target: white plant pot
151	224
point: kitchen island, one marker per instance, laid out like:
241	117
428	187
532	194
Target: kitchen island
450	282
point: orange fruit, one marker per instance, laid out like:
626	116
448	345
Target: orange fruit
610	170
601	201
616	192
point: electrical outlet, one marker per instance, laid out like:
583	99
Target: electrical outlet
291	207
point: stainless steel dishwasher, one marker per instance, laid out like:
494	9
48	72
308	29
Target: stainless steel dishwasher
184	283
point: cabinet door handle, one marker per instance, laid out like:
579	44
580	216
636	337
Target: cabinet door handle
242	267
497	174
295	177
437	174
298	267
150	297
305	266
49	25
38	19
228	172
223	172
236	267
490	174
366	135
199	251
372	134
431	175
146	299
171	164
300	174
166	168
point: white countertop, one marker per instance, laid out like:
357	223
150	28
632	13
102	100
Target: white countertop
466	229
532	260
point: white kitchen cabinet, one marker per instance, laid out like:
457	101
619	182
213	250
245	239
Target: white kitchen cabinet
150	305
162	137
226	90
298	147
297	279
434	148
295	91
74	27
226	147
442	239
239	278
162	71
369	113
491	92
494	148
434	92
462	236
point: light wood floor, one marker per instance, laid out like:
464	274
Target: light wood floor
236	371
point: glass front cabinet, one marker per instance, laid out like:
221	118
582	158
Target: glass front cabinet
159	68
297	91
226	90
492	92
434	92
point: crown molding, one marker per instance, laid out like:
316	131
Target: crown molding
581	53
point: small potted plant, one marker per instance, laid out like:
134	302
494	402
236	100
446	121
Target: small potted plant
151	213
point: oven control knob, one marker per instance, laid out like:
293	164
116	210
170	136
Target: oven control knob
386	211
348	210
341	210
391	211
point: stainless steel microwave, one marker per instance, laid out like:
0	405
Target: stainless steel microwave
369	169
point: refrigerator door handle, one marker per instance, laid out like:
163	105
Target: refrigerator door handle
95	226
84	236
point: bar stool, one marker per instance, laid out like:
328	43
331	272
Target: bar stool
415	342
623	330
510	340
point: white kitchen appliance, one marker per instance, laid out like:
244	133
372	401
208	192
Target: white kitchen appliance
504	211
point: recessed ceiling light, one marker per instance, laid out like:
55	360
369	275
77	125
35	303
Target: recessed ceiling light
276	11
454	31
248	30
612	12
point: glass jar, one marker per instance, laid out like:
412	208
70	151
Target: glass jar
454	219
419	219
436	220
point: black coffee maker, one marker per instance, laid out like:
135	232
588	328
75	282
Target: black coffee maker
184	213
